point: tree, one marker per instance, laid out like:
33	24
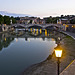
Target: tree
54	20
1	19
17	18
62	16
72	21
7	20
13	20
49	20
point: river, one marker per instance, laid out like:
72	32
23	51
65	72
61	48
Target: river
18	53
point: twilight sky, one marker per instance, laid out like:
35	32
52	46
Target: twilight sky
40	8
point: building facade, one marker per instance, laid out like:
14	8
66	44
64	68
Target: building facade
30	20
63	21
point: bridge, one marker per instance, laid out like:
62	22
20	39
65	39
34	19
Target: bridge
59	27
43	27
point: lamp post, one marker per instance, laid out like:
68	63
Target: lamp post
58	53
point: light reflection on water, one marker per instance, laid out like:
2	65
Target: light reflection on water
17	53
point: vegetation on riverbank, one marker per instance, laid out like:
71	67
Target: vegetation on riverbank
6	19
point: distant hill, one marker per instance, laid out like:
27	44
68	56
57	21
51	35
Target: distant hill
13	14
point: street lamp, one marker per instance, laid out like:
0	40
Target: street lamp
58	53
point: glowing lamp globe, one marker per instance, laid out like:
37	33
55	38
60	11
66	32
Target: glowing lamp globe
58	53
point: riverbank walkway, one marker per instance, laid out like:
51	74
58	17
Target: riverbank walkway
70	69
70	34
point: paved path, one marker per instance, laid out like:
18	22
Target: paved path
70	70
70	34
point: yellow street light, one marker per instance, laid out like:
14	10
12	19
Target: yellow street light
58	51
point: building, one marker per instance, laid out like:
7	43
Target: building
63	21
30	20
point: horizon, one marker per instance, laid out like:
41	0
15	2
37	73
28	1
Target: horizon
43	8
29	15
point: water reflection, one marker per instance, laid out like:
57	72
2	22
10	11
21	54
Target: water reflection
35	32
6	38
46	33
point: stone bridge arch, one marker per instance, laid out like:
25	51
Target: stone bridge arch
18	26
43	27
4	27
52	27
35	26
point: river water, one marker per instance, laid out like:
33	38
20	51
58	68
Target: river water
19	53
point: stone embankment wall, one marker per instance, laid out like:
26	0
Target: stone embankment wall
5	28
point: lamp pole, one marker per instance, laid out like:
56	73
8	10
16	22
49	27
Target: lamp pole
58	53
58	65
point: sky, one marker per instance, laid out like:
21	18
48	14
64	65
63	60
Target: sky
41	8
